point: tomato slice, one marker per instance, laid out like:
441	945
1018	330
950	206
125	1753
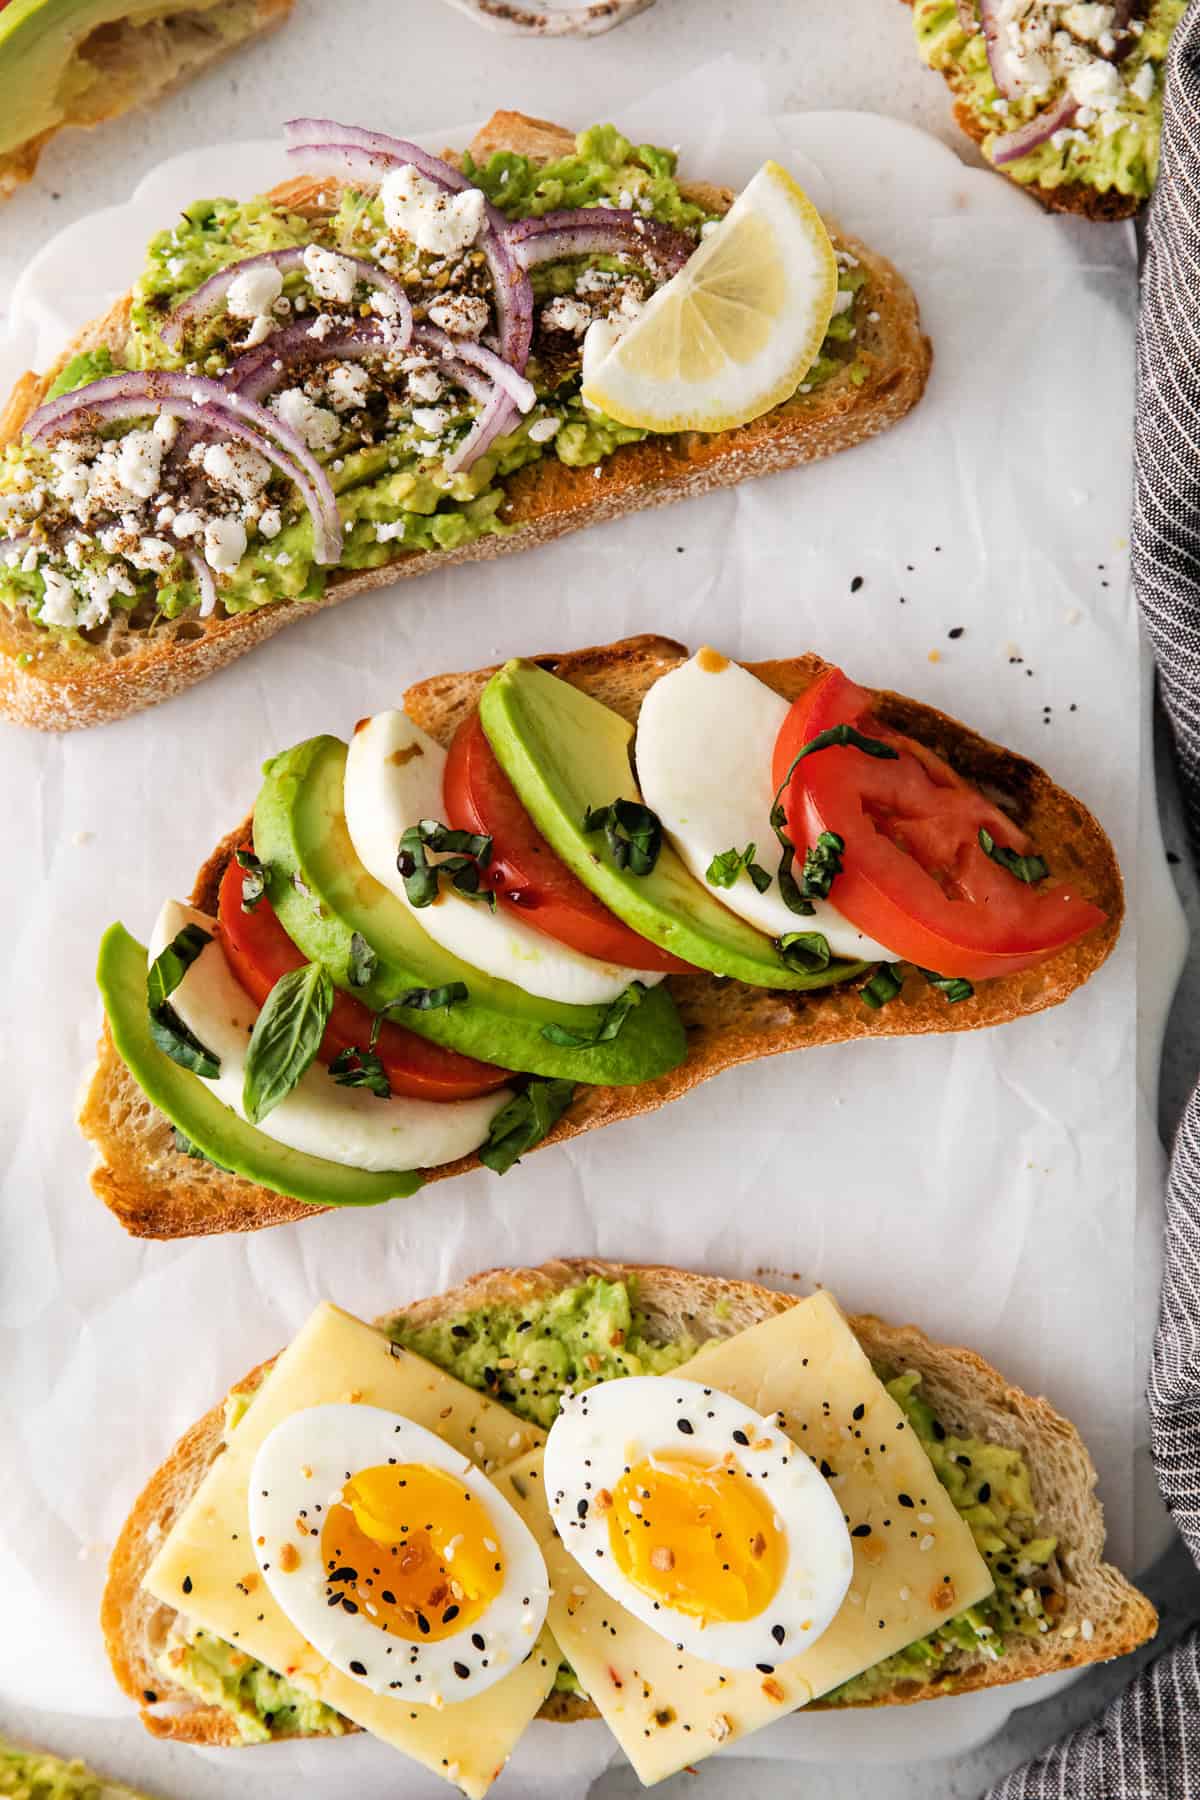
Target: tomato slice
259	951
914	875
524	870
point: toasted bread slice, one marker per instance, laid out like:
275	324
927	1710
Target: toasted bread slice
57	688
156	1192
133	61
1102	1615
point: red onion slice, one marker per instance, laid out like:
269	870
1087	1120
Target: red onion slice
1038	131
498	416
314	133
211	294
204	581
1008	68
259	372
465	350
600	230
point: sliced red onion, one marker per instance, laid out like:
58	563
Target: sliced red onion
600	230
1007	65
1038	131
211	294
498	416
259	372
317	133
465	350
204	581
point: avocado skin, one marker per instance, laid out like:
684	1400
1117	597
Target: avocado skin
565	753
322	895
212	1127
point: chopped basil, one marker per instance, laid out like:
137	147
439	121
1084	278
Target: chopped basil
363	961
883	986
361	1068
167	1029
524	1122
797	897
610	1023
254	881
421	1000
1029	869
727	865
806	951
286	1037
954	987
822	861
472	854
632	832
185	1147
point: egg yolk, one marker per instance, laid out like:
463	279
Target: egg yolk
411	1550
697	1536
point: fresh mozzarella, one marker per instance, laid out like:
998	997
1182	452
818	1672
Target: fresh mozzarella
394	776
705	740
345	1125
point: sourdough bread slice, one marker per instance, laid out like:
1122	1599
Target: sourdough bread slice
58	688
1101	1615
134	61
157	1192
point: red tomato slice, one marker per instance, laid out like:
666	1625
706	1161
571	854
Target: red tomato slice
914	875
259	951
524	870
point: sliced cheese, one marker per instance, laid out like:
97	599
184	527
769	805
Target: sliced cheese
206	1568
915	1561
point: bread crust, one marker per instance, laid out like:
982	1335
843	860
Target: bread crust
57	689
156	1192
967	1393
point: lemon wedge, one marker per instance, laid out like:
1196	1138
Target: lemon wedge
736	330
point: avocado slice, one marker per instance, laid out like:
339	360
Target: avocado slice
323	895
200	1116
566	753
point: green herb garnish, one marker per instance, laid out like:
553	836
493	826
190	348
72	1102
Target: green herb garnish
806	951
883	986
632	832
431	999
186	1147
286	1037
524	1122
1029	869
954	987
796	897
254	880
167	1029
727	865
361	1068
822	862
363	961
610	1022
465	854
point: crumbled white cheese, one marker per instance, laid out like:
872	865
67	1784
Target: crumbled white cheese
843	300
254	291
383	303
542	430
259	332
384	534
270	523
139	463
1088	20
431	419
1142	84
224	544
424	383
315	424
166	429
462	315
187	523
1097	85
59	600
331	277
348	386
152	553
566	314
436	220
237	466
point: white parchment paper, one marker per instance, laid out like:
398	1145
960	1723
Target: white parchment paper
983	1184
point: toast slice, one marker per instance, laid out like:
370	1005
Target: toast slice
45	683
130	62
157	1192
1101	1615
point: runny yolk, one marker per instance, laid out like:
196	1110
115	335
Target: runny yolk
412	1550
697	1536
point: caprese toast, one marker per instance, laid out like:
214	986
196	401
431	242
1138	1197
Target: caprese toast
395	362
475	929
506	1501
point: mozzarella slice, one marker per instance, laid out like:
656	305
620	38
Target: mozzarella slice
394	775
705	739
345	1125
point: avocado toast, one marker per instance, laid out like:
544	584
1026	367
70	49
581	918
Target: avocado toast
1016	1470
219	552
587	1063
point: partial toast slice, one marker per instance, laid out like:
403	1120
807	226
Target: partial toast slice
156	1192
1102	1615
56	688
131	61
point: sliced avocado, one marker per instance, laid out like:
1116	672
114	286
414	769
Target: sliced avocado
323	894
199	1115
566	753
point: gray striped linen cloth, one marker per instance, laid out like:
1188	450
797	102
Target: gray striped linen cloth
1146	1744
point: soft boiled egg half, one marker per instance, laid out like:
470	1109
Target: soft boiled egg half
699	1517
393	1555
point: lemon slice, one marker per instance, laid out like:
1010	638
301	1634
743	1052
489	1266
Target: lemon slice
736	330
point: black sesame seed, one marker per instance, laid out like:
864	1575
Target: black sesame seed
357	1668
450	1613
187	1584
859	1410
477	1640
461	1670
985	1492
765	1668
826	1471
856	584
581	1507
739	1437
684	1425
149	1696
778	1633
861	1531
422	1624
905	1499
956	631
460	1331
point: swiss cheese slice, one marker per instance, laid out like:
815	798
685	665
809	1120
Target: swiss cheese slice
206	1568
915	1561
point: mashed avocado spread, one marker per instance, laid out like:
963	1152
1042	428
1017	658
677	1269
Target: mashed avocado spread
36	1775
524	1356
384	452
1111	146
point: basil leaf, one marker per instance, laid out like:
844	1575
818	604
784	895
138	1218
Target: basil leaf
185	1147
254	881
421	877
632	832
727	865
363	961
1029	869
822	862
789	890
883	986
361	1068
287	1035
795	895
443	837
610	1022
524	1122
806	951
955	987
172	964
172	1037
421	1000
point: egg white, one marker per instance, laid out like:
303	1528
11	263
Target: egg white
300	1470
603	1430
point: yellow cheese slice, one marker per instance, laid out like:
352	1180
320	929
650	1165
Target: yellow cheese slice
915	1561
207	1570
